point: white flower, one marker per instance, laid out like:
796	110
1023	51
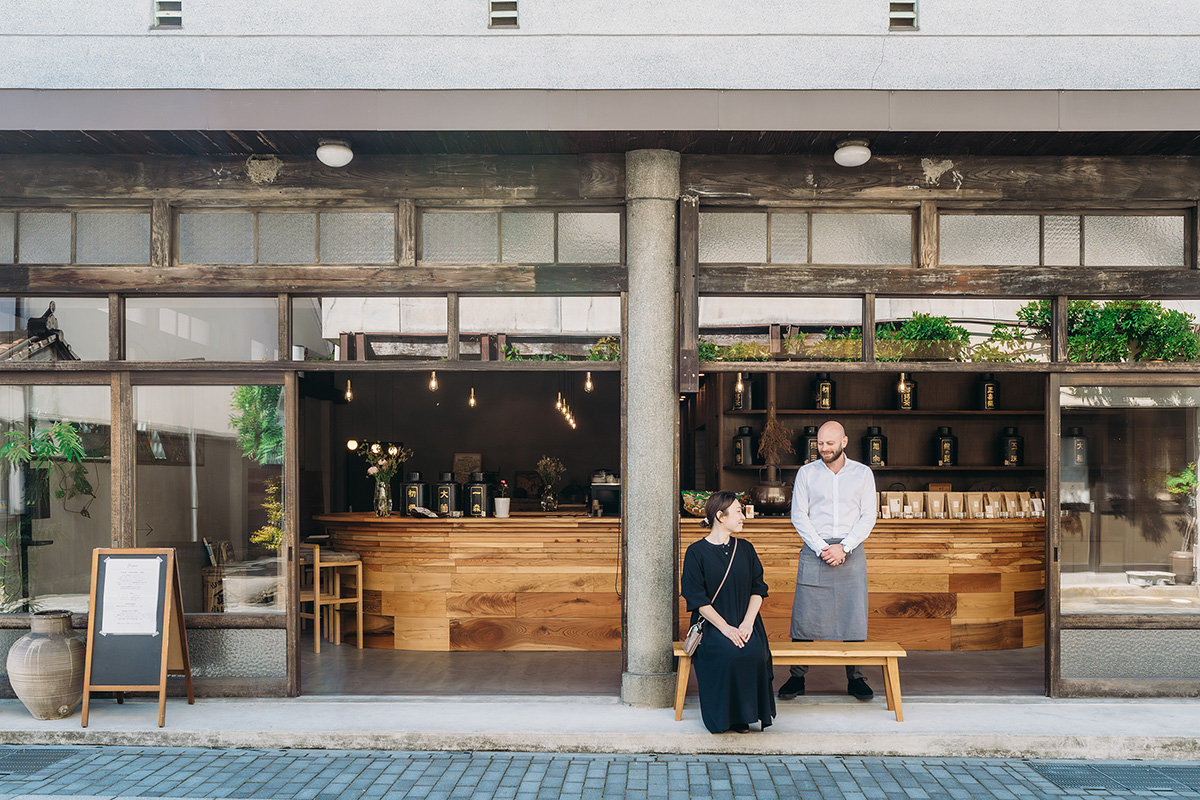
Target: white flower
383	462
372	470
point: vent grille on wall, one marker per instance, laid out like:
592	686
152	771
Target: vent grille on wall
902	16
503	14
168	14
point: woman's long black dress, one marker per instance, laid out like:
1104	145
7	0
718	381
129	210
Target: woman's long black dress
735	682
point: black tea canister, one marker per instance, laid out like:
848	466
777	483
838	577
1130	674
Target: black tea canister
416	493
449	495
987	392
1012	448
1074	449
824	390
808	445
479	495
875	447
945	445
743	447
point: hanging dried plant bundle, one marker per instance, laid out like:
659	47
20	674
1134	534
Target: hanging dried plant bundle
775	440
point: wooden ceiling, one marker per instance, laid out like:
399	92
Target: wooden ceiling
225	143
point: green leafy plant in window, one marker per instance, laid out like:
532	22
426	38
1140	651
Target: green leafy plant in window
921	336
260	434
1119	330
738	351
606	349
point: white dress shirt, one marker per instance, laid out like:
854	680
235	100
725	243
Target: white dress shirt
833	505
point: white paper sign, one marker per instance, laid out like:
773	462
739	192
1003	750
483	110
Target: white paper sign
130	602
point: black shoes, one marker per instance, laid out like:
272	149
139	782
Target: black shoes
792	688
857	688
740	727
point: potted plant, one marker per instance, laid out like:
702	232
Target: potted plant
501	500
383	460
921	337
1183	484
772	496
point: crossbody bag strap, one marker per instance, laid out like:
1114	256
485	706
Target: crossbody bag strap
731	557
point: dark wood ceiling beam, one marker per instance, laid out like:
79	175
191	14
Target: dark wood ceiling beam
1012	282
1075	180
495	178
315	280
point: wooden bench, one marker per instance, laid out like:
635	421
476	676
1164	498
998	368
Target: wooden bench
881	654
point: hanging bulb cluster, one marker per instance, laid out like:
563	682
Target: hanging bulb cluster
563	407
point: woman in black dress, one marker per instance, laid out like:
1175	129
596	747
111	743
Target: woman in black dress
733	661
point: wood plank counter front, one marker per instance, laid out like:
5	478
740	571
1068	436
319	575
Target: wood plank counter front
932	584
552	583
522	583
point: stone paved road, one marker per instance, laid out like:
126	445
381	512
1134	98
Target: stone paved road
111	772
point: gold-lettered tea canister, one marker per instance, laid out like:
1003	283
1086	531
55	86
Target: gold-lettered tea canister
824	391
945	445
875	447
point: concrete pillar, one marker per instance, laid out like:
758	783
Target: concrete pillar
651	418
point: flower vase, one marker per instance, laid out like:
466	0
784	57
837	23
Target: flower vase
502	505
383	499
549	500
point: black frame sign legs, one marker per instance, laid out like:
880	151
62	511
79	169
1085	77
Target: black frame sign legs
136	636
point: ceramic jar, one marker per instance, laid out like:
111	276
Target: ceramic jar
45	666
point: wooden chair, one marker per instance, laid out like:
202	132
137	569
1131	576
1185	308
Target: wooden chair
321	572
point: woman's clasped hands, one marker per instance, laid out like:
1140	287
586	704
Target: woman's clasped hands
739	635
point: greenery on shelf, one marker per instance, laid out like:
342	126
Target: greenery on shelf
512	354
606	349
738	351
921	336
1119	330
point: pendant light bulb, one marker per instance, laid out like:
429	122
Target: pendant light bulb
903	382
587	384
471	402
559	403
433	381
351	445
740	387
349	391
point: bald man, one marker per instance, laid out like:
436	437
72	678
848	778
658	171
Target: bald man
833	510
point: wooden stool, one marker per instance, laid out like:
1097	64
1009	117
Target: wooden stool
322	586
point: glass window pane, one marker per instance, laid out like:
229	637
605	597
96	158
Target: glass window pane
209	484
287	238
527	238
811	328
589	238
542	328
394	327
961	329
789	238
57	573
45	237
112	238
448	238
862	239
358	238
201	329
76	328
8	223
1128	496
732	238
1133	241
988	240
1061	242
216	238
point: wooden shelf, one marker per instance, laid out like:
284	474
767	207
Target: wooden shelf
859	412
958	468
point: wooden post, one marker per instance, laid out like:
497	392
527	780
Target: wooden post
1058	326
689	295
452	326
927	234
868	329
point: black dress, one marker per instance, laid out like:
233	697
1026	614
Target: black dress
735	682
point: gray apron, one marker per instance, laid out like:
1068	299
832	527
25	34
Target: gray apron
831	602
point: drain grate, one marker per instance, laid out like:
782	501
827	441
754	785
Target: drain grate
28	761
1130	777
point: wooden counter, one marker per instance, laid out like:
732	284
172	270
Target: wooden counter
521	583
552	583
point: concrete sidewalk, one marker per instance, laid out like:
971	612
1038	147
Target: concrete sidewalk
958	727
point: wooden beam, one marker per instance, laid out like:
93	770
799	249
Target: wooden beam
328	281
285	327
565	178
927	234
116	327
1076	180
868	329
1012	282
689	297
1058	328
160	233
406	235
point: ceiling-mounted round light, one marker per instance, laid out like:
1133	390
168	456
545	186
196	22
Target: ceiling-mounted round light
852	153
334	152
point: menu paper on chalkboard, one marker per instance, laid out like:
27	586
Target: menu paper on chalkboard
130	605
135	635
